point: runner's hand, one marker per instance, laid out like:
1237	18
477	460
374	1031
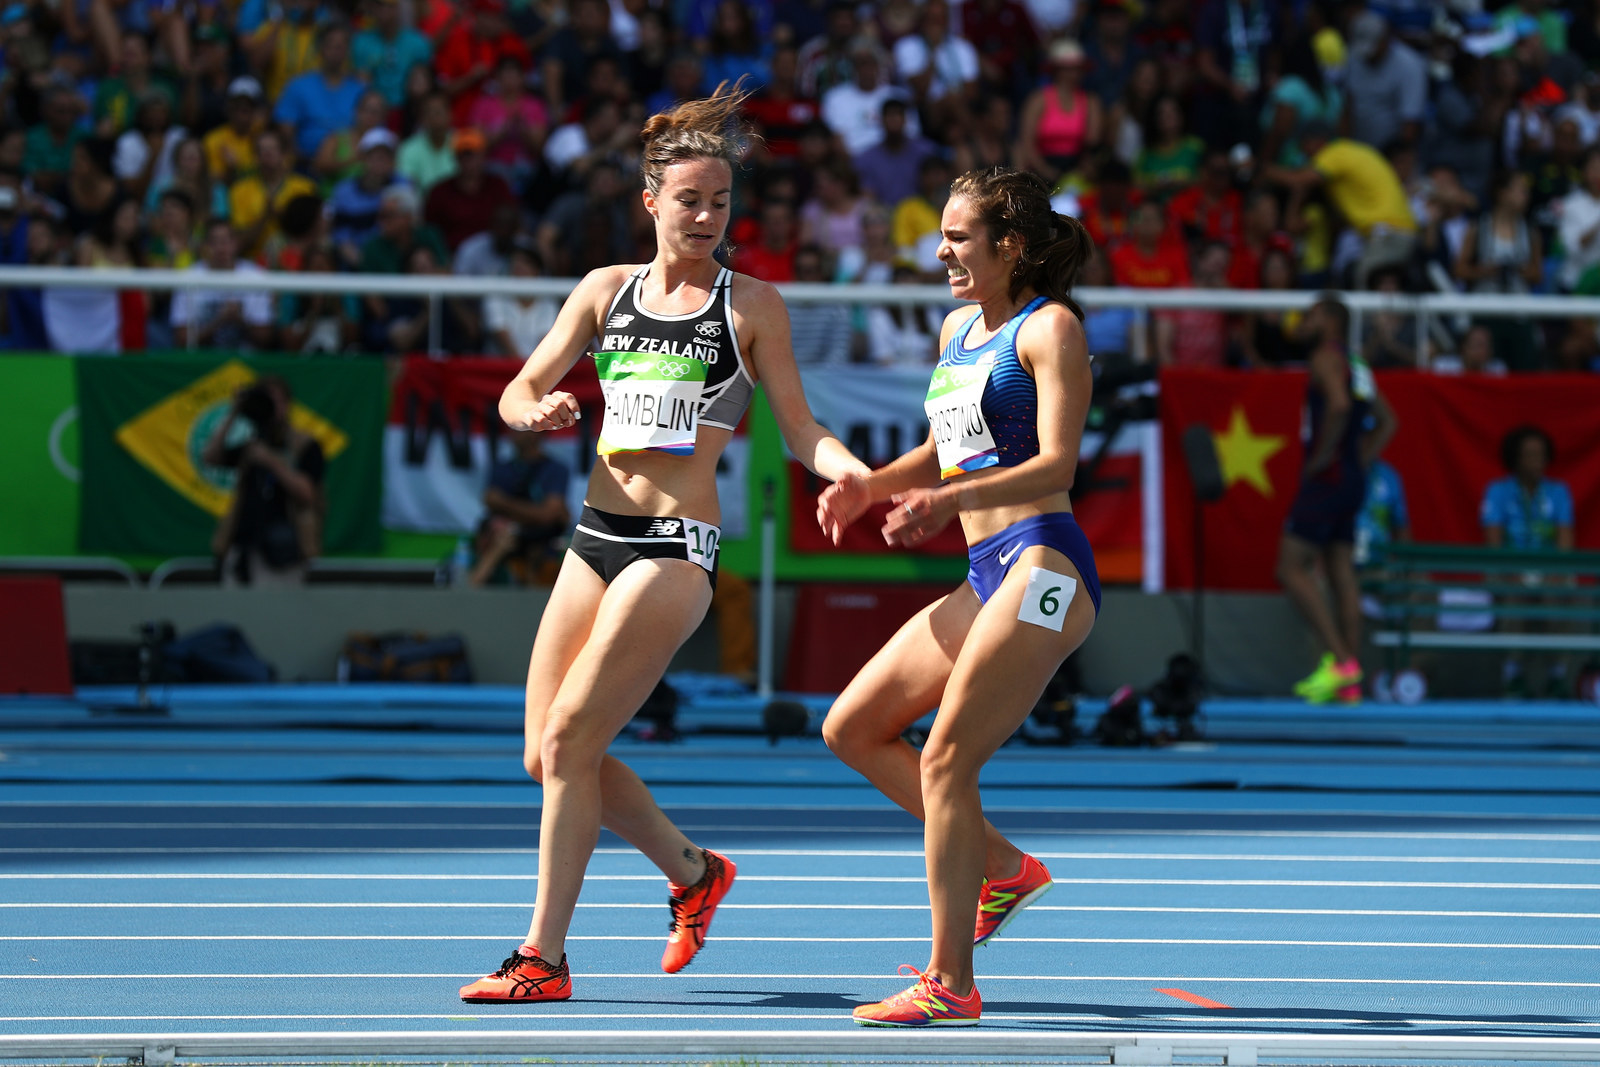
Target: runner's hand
918	515
553	411
842	503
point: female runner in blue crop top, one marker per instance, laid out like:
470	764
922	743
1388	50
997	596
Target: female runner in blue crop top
1007	408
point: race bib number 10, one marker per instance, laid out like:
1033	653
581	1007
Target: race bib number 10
702	539
652	402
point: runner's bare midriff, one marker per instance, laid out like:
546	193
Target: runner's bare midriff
656	483
981	523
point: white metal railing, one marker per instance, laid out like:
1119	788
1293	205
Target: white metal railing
434	288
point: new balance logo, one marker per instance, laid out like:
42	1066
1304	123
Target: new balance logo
662	528
618	322
709	329
1007	557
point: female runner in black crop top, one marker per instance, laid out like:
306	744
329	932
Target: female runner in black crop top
634	586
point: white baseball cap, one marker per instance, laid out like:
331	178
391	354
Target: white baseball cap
377	137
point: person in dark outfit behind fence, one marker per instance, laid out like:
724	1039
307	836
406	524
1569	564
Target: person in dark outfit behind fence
1348	423
273	526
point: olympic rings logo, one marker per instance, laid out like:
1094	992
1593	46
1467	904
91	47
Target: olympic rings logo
672	370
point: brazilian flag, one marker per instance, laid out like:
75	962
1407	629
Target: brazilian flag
144	422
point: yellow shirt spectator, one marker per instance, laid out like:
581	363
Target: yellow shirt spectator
1364	187
1316	243
247	202
230	149
914	220
230	155
293	53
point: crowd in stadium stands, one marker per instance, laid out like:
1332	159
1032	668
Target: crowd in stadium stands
1276	144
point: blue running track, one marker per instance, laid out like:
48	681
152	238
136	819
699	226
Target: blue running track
339	861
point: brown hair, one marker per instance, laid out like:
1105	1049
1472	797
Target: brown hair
695	129
1052	248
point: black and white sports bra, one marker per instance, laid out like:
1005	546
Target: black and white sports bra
665	375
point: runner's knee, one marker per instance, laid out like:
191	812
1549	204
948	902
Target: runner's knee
567	749
532	763
945	770
849	735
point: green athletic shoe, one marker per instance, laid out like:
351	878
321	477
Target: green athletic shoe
1316	680
1330	681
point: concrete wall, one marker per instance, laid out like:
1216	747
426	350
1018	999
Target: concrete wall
1254	643
300	631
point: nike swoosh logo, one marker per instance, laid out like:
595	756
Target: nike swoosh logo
1005	560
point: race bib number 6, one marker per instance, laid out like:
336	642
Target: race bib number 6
1045	601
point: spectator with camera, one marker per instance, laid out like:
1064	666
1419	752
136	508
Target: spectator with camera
273	526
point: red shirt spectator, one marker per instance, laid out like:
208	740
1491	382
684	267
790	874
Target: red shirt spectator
1150	259
1007	42
469	54
464	204
1210	209
771	249
1104	211
1244	272
779	111
1196	337
1167	34
1259	235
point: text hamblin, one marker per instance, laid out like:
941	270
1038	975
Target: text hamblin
646	409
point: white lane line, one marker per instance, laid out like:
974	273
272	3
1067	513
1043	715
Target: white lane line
825	1016
1071	831
879	809
831	1016
1259	942
814	879
597	905
790	976
1230	857
1157	857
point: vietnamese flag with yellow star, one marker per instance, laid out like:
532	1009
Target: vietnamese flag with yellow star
1254	419
145	421
1447	451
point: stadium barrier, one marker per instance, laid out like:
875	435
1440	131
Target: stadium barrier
1425	307
1242	1049
1463	596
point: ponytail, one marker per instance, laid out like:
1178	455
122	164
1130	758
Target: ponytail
695	129
1053	269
